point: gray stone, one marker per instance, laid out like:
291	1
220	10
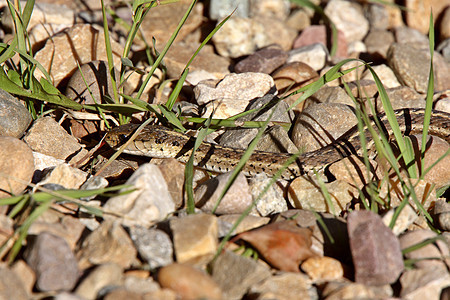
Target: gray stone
378	16
154	246
376	252
378	42
53	262
219	9
149	202
14	117
265	60
332	94
411	36
235	274
272	201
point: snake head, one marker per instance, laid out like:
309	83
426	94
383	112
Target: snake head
119	135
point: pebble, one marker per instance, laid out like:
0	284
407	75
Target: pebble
418	12
233	87
386	75
96	76
25	274
441	214
378	42
173	173
304	193
16	162
321	124
363	89
335	290
188	282
235	274
108	243
272	201
12	285
219	9
406	217
194	237
376	251
424	283
438	250
83	39
293	75
353	171
265	60
153	245
103	276
298	20
275	9
235	201
318	34
276	139
149	202
412	67
314	55
378	16
226	222
53	262
321	269
349	18
48	137
284	286
332	94
412	37
64	176
14	117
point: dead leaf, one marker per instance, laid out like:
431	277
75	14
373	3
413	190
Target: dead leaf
283	244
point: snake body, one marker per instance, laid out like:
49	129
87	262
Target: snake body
161	142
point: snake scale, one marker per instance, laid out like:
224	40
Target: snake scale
161	142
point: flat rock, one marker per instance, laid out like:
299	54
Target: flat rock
314	55
235	274
226	222
188	282
14	117
376	251
378	42
108	243
153	245
424	283
104	275
149	202
235	201
65	176
53	262
386	75
284	286
265	60
194	236
88	44
48	137
16	162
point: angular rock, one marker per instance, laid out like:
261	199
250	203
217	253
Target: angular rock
284	285
154	246
319	34
194	236
149	202
314	55
53	262
376	252
219	9
378	42
11	287
226	222
424	283
14	117
64	176
272	201
321	269
265	60
102	276
385	74
16	166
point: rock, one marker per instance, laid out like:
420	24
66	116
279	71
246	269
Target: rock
154	246
244	86
299	20
121	293
275	9
376	252
194	237
321	124
235	274
385	74
321	269
445	21
226	222
412	67
306	194
88	44
353	171
94	74
14	117
363	89
276	32
235	201
424	283
276	139
412	37
284	286
272	201
108	243
332	94
149	202
314	55
207	63
219	9
335	290
241	137
378	16
103	276
444	49
403	97
265	60
441	215
53	262
438	249
319	34
188	282
26	276
16	162
173	173
11	287
406	217
48	137
378	42
65	176
418	13
292	75
349	18
165	18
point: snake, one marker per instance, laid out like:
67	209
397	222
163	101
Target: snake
161	142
